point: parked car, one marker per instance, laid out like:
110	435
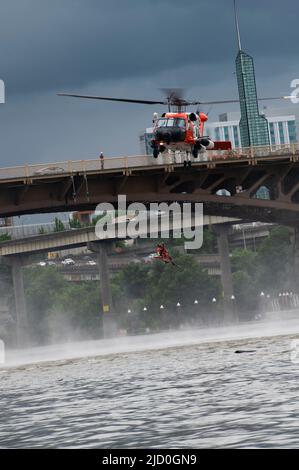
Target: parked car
68	262
42	263
91	262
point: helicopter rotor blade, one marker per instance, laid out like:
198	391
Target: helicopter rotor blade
193	103
174	97
104	98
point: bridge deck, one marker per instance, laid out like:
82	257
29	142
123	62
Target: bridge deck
127	164
81	185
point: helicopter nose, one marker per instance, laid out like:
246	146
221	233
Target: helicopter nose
170	135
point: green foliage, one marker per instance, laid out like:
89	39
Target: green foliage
209	242
76	311
169	284
208	246
120	244
269	270
59	225
244	260
41	231
6	286
157	284
58	309
75	223
4	237
41	287
96	218
131	281
275	261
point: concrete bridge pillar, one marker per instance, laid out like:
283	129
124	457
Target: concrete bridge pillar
20	301
109	324
221	231
294	235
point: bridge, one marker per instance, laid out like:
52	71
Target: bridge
74	238
81	185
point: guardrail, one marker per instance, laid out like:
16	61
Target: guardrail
127	162
18	232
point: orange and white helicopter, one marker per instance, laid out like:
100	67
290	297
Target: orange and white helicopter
177	130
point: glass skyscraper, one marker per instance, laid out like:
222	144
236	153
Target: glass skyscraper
253	126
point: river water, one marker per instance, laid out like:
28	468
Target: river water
176	390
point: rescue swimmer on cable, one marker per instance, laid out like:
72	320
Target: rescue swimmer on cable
164	255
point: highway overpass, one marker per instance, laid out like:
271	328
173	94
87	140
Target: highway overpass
74	238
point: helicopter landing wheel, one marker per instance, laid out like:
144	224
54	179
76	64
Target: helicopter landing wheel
195	151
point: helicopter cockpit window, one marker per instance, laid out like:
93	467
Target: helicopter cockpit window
172	122
180	123
162	123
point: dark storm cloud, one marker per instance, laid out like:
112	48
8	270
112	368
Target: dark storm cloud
67	44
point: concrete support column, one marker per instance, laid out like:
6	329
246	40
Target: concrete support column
226	273
20	302
109	323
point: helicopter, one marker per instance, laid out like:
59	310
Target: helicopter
177	129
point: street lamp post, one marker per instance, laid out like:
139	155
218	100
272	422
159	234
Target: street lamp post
214	301
196	305
234	307
262	303
178	316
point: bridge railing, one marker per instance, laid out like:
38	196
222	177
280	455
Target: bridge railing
255	152
17	232
127	162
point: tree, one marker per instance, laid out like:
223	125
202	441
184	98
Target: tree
269	270
75	222
76	312
59	310
275	261
58	225
158	283
42	285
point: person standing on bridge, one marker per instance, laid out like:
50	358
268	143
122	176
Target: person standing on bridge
102	160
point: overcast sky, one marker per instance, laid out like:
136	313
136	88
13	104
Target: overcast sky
126	48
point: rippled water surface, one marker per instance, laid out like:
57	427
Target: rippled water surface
191	395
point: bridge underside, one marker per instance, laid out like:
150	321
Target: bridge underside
166	183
